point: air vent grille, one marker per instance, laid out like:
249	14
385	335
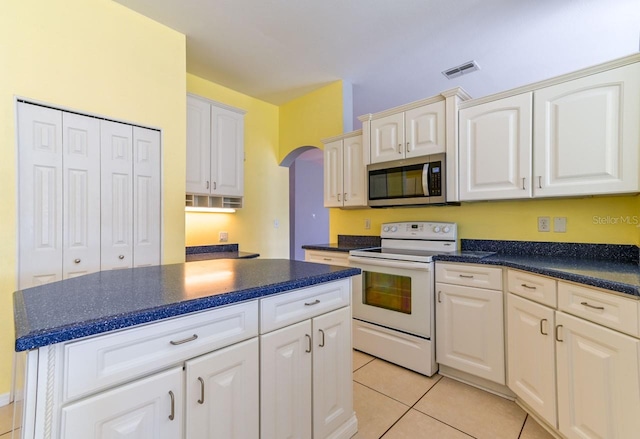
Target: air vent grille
462	69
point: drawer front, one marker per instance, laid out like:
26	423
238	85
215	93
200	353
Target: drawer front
469	275
288	308
331	258
609	310
103	361
537	288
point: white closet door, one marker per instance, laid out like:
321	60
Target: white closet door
116	195
39	195
146	197
81	195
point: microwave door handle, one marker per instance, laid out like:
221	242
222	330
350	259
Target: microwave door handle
425	180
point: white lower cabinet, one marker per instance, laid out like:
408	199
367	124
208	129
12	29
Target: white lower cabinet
148	408
580	376
222	393
306	384
469	320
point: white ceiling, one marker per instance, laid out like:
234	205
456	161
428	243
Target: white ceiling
392	51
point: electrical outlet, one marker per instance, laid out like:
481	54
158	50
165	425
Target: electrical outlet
560	224
367	223
544	224
224	236
276	223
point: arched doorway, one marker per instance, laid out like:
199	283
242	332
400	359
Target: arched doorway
308	218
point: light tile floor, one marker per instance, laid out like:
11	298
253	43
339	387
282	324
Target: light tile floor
395	403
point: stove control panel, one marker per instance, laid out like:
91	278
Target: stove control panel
424	230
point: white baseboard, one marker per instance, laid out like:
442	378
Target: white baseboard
5	399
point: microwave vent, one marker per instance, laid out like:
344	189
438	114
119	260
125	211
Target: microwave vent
462	69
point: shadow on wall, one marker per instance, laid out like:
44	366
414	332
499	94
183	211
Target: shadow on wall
308	218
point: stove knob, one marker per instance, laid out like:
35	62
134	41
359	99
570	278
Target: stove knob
385	229
446	229
394	229
436	229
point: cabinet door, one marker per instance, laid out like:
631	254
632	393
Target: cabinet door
81	200
149	408
285	382
198	146
332	376
495	149
470	331
146	197
227	152
531	359
598	381
587	134
333	163
425	130
116	195
39	195
387	138
222	393
354	173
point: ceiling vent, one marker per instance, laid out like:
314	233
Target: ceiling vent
462	69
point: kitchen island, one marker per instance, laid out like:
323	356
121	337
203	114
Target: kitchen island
222	347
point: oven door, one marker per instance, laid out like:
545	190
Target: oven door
394	294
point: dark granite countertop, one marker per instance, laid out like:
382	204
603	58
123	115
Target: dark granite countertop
221	251
346	243
108	300
612	268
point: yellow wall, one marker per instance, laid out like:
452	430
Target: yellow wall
307	120
266	184
589	220
92	56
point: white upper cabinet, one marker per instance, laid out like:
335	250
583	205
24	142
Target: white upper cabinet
495	149
587	135
577	136
215	148
345	171
89	195
416	132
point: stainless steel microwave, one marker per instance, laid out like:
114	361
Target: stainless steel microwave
408	182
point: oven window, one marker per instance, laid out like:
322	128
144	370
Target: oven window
388	291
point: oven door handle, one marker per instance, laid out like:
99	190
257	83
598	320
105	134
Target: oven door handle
424	266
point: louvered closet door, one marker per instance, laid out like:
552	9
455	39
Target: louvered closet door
39	195
146	197
81	195
116	195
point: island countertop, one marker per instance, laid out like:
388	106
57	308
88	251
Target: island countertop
109	300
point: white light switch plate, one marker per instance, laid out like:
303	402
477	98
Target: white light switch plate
560	224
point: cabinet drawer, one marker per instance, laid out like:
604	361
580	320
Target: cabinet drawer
331	258
469	275
609	310
103	361
288	308
537	288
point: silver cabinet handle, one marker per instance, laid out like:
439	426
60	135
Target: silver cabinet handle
541	330
523	188
322	342
439	298
338	197
308	343
214	185
539	181
558	333
121	257
345	196
77	261
315	302
466	276
201	400
591	306
399	148
207	184
528	287
408	146
186	340
172	415
327	259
